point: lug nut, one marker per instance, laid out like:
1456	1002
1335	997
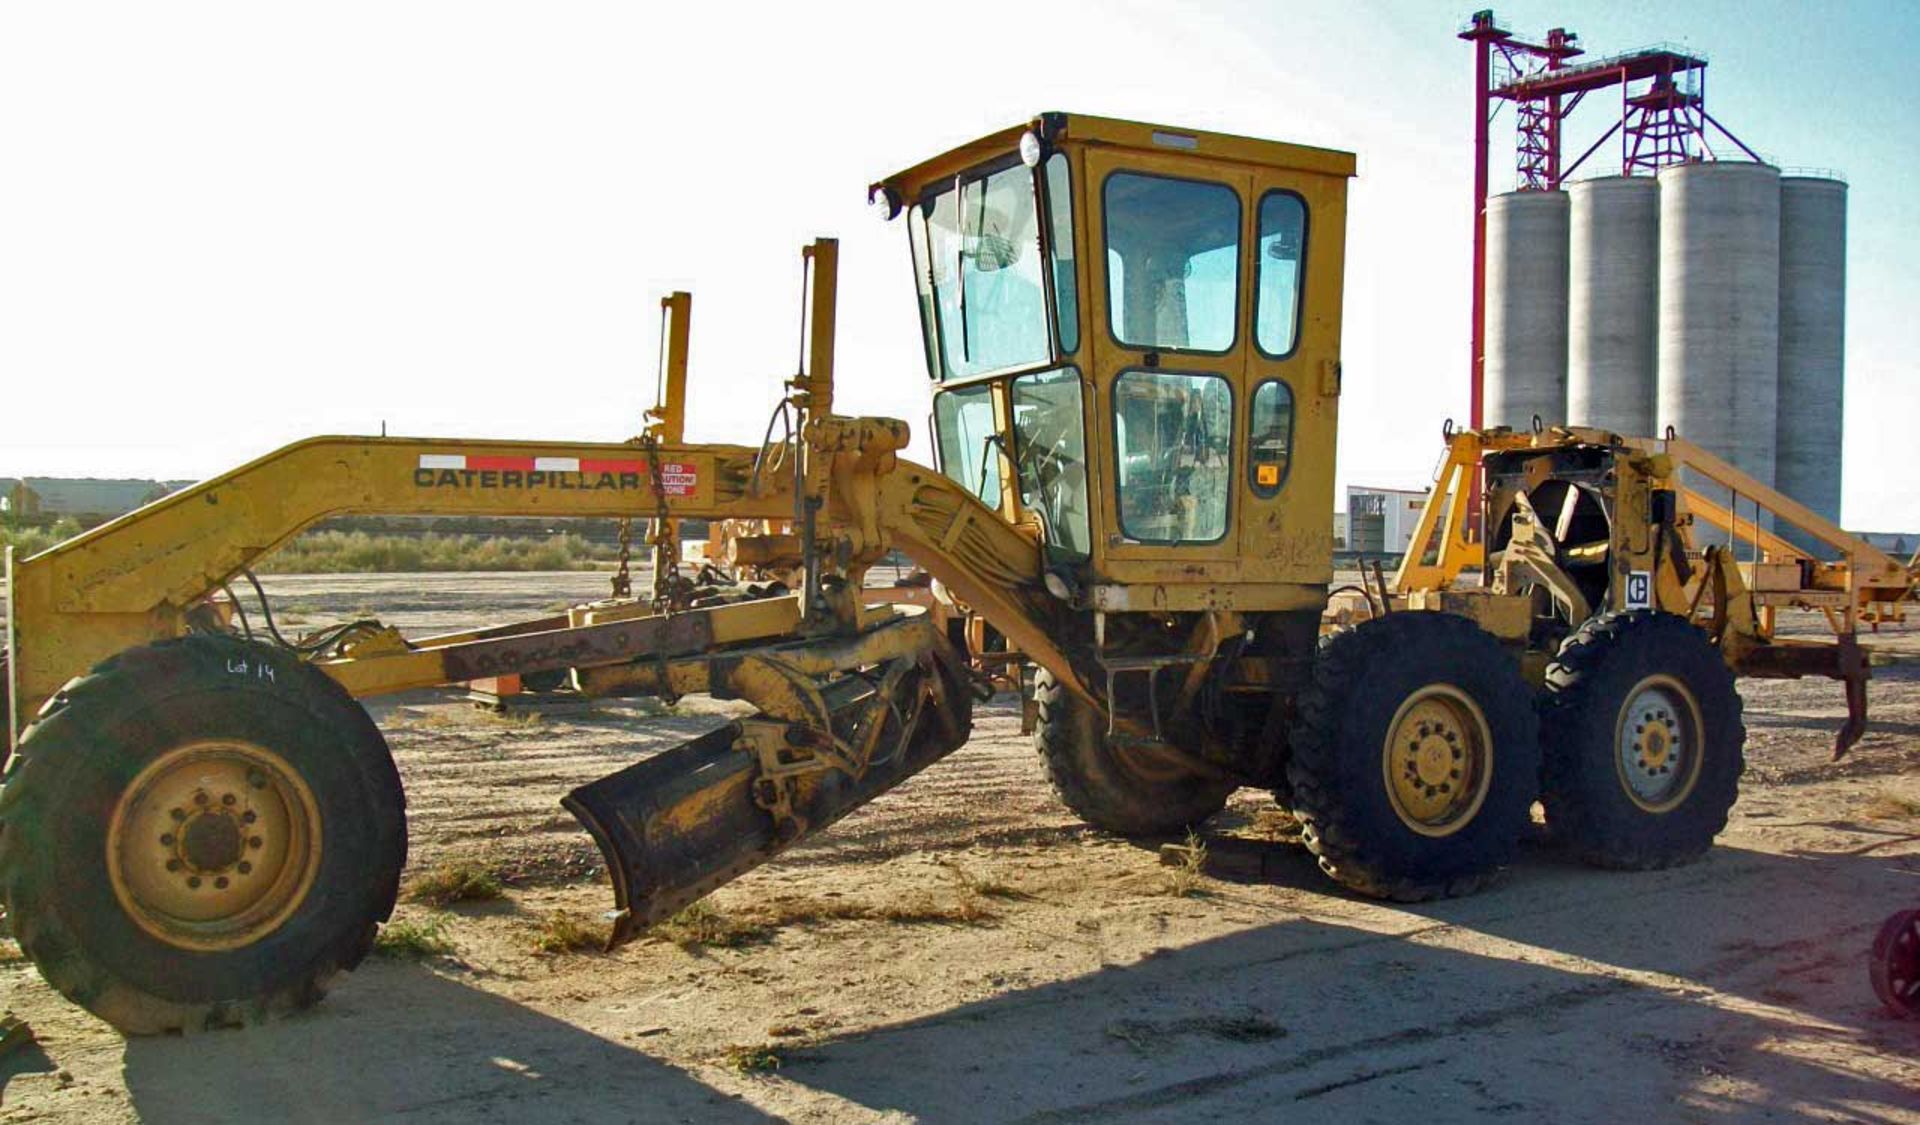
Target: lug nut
166	841
253	841
220	883
193	881
199	798
248	817
179	814
227	799
246	868
173	865
256	779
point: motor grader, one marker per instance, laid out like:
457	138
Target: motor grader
1133	337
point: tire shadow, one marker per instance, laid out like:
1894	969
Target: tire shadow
399	1041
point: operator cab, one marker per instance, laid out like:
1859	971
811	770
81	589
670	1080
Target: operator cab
1133	335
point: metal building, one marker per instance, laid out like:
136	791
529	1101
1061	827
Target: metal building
1719	337
1381	521
1526	357
1813	307
1613	255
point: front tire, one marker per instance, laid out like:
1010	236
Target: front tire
1416	759
199	833
1644	740
1108	787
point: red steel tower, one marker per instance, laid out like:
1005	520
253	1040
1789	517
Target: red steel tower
1662	120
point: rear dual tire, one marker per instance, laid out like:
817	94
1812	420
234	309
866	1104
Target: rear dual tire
1415	759
1644	742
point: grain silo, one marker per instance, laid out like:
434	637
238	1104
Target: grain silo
1813	305
1613	256
1719	346
1526	356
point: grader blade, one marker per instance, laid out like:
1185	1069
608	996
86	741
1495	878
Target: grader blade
684	822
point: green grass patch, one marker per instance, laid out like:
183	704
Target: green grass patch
27	541
415	939
358	552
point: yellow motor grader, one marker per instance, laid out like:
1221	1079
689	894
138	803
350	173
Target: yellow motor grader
1133	337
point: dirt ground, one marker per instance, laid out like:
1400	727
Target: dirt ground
964	950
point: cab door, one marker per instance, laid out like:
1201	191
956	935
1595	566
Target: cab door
1292	407
1169	360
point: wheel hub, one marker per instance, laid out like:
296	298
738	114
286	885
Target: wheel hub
1437	760
1658	741
214	844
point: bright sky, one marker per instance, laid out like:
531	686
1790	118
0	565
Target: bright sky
227	226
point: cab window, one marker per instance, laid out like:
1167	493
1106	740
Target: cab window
1270	438
962	424
1050	448
1173	437
1173	262
1066	293
976	249
1282	249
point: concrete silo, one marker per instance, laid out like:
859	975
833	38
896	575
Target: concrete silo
1526	342
1719	349
1813	307
1613	257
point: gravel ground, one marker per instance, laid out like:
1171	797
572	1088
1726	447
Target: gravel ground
1049	972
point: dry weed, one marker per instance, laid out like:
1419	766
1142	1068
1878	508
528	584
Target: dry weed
1275	823
430	720
565	932
1889	806
920	908
702	924
456	881
805	910
752	1058
518	719
982	886
1184	880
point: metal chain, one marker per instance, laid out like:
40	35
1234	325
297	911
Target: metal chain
666	557
622	580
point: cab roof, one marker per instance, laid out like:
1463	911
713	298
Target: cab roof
912	182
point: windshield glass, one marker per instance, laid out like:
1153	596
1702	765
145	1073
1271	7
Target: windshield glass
976	259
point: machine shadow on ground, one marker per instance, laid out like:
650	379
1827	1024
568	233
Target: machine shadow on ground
399	1041
1298	1017
1291	1015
